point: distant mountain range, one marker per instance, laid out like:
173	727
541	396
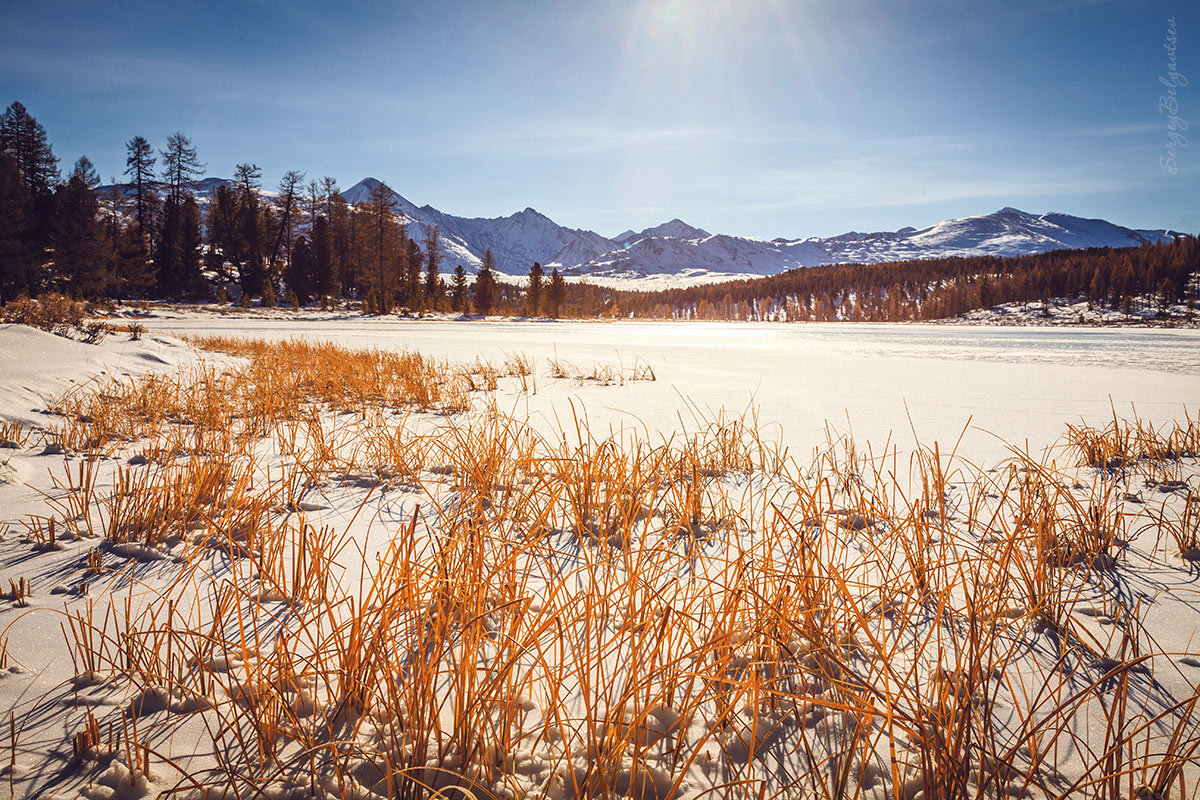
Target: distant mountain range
686	253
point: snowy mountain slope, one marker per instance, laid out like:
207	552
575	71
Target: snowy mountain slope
1007	232
733	255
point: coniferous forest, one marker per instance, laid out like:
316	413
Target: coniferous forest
304	244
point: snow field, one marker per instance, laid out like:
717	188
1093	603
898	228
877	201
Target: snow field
314	572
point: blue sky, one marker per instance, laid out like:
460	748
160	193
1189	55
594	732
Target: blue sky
755	117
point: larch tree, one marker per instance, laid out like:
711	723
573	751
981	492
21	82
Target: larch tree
287	203
24	139
85	170
180	164
383	244
251	262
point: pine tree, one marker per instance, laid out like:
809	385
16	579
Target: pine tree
411	260
139	166
322	252
82	257
133	276
341	232
458	292
191	243
224	250
301	274
433	283
533	295
556	293
485	285
177	256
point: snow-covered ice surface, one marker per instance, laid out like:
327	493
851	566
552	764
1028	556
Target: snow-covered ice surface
1020	384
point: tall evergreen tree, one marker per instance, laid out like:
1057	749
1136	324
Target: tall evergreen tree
341	232
458	289
485	285
82	259
251	262
224	245
177	256
410	265
433	257
139	166
322	253
533	295
301	273
556	293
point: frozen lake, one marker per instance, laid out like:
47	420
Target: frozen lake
878	380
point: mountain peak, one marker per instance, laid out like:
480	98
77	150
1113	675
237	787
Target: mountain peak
675	229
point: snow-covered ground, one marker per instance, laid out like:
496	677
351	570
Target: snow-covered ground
879	381
981	390
1067	312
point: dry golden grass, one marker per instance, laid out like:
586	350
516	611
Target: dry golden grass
51	312
598	617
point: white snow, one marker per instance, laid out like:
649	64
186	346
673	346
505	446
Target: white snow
1018	384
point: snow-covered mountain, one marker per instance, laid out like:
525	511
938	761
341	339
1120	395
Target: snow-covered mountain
203	189
1007	232
675	229
676	249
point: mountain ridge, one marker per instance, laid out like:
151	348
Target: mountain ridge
679	250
